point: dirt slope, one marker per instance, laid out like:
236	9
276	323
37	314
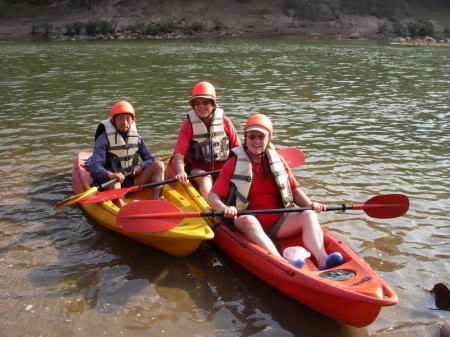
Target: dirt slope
226	18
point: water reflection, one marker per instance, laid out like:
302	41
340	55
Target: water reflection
371	119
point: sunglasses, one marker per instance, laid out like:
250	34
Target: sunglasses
202	102
260	137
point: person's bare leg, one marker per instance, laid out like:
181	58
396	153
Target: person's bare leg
252	229
152	173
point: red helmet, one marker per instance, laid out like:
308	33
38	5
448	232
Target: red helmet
122	107
261	123
203	90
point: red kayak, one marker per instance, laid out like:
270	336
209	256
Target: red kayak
352	293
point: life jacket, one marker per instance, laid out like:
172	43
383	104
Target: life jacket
122	154
242	177
207	147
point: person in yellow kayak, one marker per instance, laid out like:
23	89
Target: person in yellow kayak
204	140
118	148
257	178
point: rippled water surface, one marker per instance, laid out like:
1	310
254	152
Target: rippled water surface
371	119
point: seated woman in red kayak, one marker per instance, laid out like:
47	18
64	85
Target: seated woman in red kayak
258	178
117	151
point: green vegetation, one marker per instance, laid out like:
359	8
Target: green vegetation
91	28
75	28
168	27
419	28
96	27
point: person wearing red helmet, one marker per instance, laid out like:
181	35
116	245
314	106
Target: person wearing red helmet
204	140
118	148
258	178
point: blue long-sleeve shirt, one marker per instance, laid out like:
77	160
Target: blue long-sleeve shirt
97	161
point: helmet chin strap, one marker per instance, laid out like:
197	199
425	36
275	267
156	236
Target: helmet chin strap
261	158
205	118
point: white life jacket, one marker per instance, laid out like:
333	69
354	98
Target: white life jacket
208	147
122	153
243	176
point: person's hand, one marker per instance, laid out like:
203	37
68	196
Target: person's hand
182	177
136	170
230	212
119	175
318	207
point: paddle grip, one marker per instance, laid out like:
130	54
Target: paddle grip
102	186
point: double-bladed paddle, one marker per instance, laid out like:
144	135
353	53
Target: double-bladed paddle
91	191
157	216
119	193
294	157
85	194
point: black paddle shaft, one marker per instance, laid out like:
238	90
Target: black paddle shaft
279	210
174	180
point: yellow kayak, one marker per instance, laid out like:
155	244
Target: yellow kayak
182	240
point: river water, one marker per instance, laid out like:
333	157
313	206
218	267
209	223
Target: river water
371	119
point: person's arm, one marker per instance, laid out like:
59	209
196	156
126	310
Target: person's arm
300	197
178	167
231	133
220	190
97	161
145	154
302	200
215	202
181	150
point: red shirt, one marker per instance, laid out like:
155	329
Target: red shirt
185	137
263	194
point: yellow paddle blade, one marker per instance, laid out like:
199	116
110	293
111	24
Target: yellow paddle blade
83	195
166	158
75	198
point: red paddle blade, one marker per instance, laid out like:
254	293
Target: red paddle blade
293	156
385	206
144	216
109	195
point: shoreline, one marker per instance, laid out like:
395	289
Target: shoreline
229	19
398	41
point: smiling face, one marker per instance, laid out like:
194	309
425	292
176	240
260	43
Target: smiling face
123	122
256	142
203	107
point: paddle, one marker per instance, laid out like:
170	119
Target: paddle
85	194
118	193
294	157
158	216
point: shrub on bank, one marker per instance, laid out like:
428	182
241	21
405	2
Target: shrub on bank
96	27
418	28
90	28
424	28
75	28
